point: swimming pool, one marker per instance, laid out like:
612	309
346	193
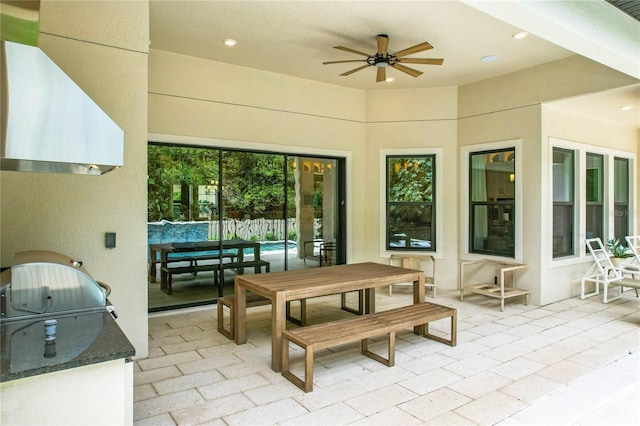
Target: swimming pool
273	247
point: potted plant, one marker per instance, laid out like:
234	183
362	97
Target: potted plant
618	251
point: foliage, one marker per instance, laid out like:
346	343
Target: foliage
410	190
618	250
251	183
410	179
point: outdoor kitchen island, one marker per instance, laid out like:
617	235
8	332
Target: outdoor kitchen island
63	357
81	376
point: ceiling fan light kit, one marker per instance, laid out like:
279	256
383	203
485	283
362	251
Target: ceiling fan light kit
382	59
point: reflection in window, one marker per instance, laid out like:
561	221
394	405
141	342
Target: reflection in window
621	198
492	202
563	201
410	205
595	196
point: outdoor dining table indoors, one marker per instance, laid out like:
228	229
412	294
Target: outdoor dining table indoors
237	246
281	287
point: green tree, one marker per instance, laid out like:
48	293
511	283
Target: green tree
251	183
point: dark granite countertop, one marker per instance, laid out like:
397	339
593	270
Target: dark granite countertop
81	339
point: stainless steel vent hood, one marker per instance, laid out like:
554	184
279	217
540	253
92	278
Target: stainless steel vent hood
48	123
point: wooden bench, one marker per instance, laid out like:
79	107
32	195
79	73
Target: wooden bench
253	300
194	268
256	264
363	328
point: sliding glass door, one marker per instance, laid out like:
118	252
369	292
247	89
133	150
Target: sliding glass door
265	210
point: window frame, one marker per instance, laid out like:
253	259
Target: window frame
579	225
436	203
599	203
426	204
497	205
571	203
626	203
465	234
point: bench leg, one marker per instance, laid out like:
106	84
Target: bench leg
219	282
391	354
454	331
169	282
227	333
306	384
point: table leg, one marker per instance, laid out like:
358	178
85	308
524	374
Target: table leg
278	324
418	297
369	300
240	260
163	274
239	313
153	262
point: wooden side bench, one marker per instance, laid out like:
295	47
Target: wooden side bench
194	268
363	328
170	271
255	264
253	300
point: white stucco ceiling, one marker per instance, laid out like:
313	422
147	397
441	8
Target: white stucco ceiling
295	37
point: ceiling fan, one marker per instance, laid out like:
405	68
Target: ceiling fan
383	59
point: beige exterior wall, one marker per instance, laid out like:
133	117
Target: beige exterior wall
511	107
213	104
560	278
103	47
413	121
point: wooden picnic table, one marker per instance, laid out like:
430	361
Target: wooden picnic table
281	287
193	247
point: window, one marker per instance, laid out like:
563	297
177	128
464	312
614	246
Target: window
595	196
621	198
563	201
492	202
410	194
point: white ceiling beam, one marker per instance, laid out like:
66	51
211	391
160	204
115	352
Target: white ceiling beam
593	29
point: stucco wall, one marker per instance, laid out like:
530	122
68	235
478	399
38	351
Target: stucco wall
409	120
510	107
561	277
213	104
103	47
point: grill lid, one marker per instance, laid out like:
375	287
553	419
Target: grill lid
44	282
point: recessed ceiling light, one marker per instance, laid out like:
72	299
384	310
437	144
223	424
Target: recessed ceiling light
230	42
489	58
626	107
521	34
389	79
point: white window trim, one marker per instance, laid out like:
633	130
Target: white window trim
439	208
465	151
580	156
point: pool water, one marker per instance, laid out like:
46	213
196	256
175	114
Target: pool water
273	247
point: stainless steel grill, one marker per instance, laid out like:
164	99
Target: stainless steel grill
41	283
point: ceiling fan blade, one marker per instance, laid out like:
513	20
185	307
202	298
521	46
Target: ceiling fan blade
417	48
347	49
410	71
342	62
381	75
355	70
383	44
426	61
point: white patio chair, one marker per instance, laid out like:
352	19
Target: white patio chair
602	272
632	266
413	262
